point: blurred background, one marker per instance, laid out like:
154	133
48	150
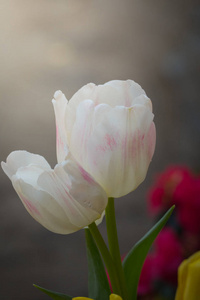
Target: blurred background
48	45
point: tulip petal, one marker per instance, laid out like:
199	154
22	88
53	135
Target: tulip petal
189	278
82	298
82	199
192	289
113	93
63	200
114	145
43	208
17	159
115	297
60	103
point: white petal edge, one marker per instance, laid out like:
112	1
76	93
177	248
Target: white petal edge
60	104
113	93
21	158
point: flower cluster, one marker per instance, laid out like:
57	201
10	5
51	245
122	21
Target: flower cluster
180	238
105	142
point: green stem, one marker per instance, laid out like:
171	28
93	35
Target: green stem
114	245
106	257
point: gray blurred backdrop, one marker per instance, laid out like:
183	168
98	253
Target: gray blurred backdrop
63	44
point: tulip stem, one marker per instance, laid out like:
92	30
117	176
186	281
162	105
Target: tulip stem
106	257
114	245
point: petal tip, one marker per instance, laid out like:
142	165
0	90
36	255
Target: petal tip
3	164
58	94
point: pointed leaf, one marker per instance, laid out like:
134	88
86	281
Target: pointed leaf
134	260
53	295
98	286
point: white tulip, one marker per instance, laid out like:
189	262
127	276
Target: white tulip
63	200
109	130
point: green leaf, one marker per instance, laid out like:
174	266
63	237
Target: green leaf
98	286
53	295
134	260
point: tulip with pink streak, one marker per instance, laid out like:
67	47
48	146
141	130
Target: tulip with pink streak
110	131
105	143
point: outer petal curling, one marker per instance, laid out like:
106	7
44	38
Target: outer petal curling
17	159
114	145
63	200
60	103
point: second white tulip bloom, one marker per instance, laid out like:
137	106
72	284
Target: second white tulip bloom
109	129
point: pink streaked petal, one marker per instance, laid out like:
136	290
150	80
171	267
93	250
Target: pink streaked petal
43	208
63	200
31	208
151	138
80	197
86	176
60	104
116	144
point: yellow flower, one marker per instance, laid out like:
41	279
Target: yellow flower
112	297
189	278
81	298
115	297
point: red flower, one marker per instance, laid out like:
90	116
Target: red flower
162	263
180	187
161	196
168	255
147	276
187	198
